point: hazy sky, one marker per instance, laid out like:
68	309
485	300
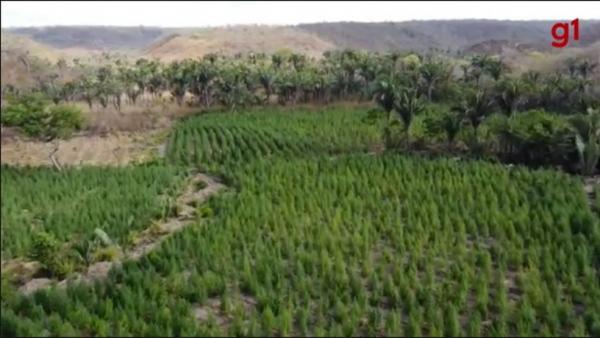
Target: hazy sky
197	14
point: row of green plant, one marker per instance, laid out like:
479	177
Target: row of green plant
354	245
215	138
68	206
536	138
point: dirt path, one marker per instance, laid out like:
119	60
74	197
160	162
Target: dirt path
589	183
148	240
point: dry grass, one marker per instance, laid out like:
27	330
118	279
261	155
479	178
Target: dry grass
115	149
232	40
141	116
111	137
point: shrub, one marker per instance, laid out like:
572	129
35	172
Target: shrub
27	112
46	250
35	115
109	253
205	211
64	119
45	247
534	137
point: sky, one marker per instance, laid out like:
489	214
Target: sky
206	14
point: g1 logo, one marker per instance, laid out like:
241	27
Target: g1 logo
560	33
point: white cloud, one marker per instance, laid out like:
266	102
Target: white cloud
197	14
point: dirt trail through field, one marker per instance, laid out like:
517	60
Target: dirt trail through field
589	184
149	239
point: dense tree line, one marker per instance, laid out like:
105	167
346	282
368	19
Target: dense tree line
339	75
535	118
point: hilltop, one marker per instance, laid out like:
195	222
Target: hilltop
174	43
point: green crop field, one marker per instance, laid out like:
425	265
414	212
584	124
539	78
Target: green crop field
233	138
74	202
317	235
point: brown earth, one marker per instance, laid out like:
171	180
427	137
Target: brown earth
118	148
110	137
237	39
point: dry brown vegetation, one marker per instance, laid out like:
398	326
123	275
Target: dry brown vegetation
114	149
237	39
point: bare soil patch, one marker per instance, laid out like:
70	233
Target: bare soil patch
118	148
213	309
589	184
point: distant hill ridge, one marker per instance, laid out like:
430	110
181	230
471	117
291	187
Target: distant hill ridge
313	39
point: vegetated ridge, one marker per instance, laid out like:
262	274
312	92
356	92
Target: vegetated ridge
420	36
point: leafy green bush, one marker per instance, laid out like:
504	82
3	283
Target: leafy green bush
442	124
109	253
35	115
46	249
64	119
26	112
534	137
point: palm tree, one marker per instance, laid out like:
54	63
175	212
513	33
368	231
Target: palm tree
510	94
495	68
266	77
587	139
407	104
434	72
475	106
383	92
451	123
178	79
202	77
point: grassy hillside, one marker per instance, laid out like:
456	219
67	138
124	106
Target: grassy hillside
448	34
93	37
236	39
456	35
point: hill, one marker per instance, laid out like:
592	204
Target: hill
93	37
23	59
236	39
421	36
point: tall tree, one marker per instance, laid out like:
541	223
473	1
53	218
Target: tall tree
433	73
407	104
587	139
511	94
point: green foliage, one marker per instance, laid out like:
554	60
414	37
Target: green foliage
64	119
315	244
587	138
214	139
109	254
35	115
46	250
446	122
534	137
70	205
44	247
